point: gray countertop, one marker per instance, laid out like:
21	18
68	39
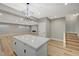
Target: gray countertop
31	40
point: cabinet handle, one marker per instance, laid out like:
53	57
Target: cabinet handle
15	43
24	50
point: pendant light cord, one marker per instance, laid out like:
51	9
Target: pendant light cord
27	10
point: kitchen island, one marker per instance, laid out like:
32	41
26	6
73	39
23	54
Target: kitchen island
30	45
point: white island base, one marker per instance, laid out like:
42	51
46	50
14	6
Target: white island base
28	45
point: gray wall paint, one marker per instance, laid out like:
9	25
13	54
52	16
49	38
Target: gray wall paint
48	27
58	28
72	24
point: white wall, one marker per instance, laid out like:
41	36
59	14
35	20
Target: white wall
58	28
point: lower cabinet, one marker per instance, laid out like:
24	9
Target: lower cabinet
22	49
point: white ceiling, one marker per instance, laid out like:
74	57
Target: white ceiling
50	10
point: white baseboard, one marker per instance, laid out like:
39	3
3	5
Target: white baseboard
57	39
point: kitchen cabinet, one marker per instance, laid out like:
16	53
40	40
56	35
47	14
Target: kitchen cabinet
44	27
28	45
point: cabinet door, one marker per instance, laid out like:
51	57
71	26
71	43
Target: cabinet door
22	49
30	51
42	29
14	46
19	48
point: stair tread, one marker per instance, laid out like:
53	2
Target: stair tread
73	47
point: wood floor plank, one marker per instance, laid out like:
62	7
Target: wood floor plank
55	48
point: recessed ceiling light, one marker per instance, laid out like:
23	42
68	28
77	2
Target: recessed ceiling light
66	4
77	14
55	16
39	13
74	14
21	18
0	14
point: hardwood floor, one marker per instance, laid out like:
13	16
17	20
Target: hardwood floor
5	43
6	46
55	48
72	41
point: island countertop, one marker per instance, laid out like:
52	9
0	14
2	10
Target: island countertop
31	40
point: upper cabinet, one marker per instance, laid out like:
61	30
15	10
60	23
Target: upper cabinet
9	18
9	15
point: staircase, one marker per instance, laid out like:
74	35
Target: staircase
72	41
